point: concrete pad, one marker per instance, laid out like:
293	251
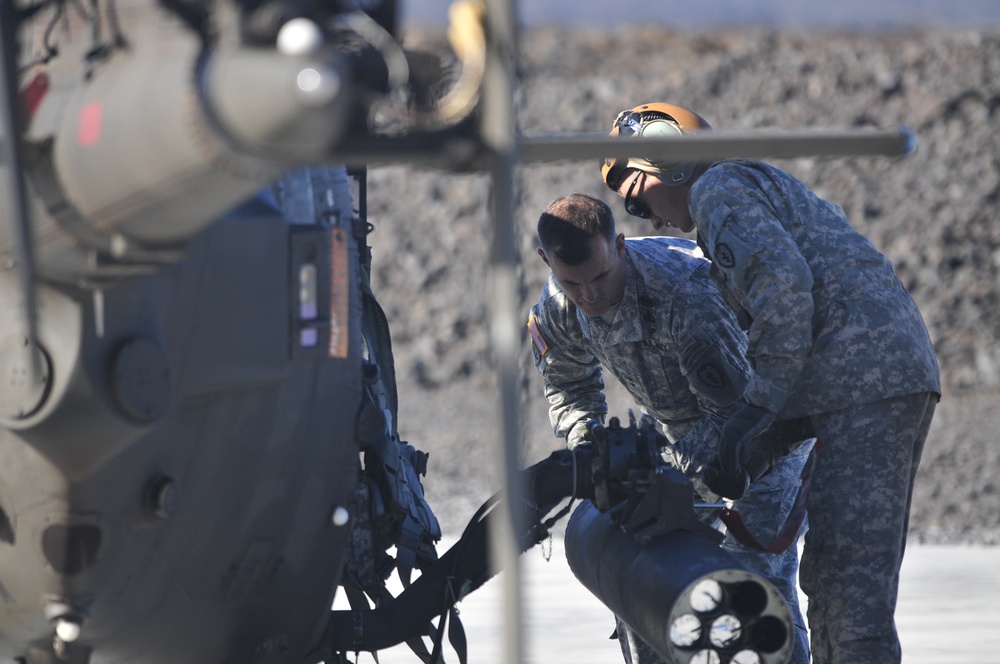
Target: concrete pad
948	611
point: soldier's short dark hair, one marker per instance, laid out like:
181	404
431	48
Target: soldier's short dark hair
570	222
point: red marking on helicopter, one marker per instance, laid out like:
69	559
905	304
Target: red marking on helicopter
88	127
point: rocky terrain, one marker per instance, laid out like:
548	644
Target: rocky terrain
935	214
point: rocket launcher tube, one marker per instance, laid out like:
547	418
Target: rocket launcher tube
682	594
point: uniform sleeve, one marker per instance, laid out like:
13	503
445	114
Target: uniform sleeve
761	264
572	377
712	349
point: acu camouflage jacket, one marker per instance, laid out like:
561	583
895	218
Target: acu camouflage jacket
674	344
831	326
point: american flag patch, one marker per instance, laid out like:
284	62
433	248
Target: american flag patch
536	336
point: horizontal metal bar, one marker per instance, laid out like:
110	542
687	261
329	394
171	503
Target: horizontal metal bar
463	152
758	143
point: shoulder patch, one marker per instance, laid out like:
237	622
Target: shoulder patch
536	336
710	376
724	255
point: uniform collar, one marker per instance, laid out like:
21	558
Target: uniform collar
628	325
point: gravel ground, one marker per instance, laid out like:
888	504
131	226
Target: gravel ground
934	214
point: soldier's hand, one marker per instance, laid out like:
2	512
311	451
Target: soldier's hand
740	461
745	424
582	433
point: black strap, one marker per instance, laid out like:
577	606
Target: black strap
790	530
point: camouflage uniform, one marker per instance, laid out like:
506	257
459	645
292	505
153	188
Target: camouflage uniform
834	336
678	349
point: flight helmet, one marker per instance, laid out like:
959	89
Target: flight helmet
654	120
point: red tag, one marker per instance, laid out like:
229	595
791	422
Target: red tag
34	93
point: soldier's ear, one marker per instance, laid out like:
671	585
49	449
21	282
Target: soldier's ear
620	243
544	257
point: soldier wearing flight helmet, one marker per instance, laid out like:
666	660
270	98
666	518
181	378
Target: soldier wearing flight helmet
834	338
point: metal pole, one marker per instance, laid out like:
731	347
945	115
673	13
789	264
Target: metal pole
499	136
17	205
724	144
444	150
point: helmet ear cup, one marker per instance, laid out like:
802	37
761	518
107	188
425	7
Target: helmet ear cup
671	172
660	127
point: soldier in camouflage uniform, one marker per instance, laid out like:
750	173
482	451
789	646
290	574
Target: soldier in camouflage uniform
835	338
647	310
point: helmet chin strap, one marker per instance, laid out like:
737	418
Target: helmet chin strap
672	174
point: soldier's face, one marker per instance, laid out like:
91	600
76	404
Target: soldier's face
665	206
598	283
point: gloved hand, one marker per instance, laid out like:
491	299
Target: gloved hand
740	462
582	433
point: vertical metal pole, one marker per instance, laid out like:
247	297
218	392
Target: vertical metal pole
498	132
11	121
